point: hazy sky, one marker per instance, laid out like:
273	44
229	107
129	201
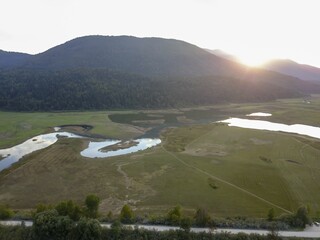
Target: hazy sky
255	30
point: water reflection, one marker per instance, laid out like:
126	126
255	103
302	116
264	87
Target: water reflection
14	154
259	114
270	126
94	149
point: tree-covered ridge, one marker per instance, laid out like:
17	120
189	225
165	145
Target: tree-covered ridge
144	56
80	89
12	59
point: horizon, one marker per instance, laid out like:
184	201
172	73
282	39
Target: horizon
254	31
238	59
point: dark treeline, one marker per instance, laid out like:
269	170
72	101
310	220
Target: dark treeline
92	231
85	89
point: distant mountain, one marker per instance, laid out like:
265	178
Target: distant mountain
224	55
99	72
145	56
12	59
289	67
284	66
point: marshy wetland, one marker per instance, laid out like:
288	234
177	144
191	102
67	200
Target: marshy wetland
200	162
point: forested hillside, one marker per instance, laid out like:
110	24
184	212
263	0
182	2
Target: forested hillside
30	90
98	72
12	59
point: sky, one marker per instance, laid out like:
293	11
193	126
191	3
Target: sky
253	30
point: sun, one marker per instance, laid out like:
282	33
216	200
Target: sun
252	60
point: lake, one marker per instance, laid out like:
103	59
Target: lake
301	129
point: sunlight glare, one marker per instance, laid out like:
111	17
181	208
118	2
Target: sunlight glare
252	61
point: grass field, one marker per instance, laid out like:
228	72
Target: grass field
229	171
16	127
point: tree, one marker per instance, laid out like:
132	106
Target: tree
273	234
49	225
70	209
43	207
185	224
116	229
302	218
126	215
87	229
201	218
92	204
62	208
174	215
271	215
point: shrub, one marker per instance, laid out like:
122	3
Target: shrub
126	215
87	229
5	212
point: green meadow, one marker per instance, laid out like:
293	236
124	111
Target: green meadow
229	171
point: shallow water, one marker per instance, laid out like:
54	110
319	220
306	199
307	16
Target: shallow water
259	114
94	148
302	129
15	153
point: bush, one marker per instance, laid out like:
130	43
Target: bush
186	223
87	229
126	215
49	225
202	219
16	233
5	212
70	209
92	203
174	215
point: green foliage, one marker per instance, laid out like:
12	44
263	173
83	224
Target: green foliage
42	207
302	216
174	215
271	214
92	203
16	233
116	228
5	212
87	229
49	225
84	89
186	223
94	233
69	208
298	220
201	218
126	214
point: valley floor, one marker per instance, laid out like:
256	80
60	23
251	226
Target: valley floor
229	171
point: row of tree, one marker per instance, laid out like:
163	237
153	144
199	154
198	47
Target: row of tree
71	211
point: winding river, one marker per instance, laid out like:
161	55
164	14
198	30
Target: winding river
111	147
94	149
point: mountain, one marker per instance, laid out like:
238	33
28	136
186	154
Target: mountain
284	66
224	55
145	56
12	59
101	72
289	67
